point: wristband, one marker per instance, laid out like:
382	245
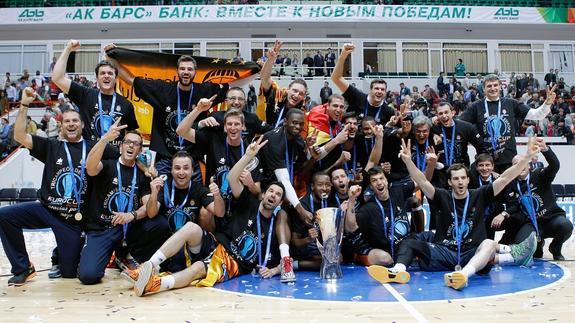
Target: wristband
24	105
135	215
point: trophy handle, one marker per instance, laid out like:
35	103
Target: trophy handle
319	245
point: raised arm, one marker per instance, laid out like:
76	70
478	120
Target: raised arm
511	173
350	218
217	207
543	110
236	171
431	161
337	75
185	129
417	176
20	135
266	72
375	155
94	160
59	72
152	204
122	72
552	168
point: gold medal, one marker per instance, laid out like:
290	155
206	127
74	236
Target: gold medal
78	216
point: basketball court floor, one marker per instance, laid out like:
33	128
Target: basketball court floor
545	292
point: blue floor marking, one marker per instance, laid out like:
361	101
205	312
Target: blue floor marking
357	285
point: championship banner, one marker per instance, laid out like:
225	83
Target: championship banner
284	13
154	65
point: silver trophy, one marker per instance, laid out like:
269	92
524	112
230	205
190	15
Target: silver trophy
330	221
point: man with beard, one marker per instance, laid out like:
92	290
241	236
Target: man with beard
496	120
62	196
172	101
280	101
222	149
535	206
372	104
306	253
181	201
460	240
325	122
99	108
236	99
349	157
456	135
116	205
245	245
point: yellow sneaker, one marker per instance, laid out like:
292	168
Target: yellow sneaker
456	280
148	282
384	275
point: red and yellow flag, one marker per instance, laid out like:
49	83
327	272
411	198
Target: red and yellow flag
154	65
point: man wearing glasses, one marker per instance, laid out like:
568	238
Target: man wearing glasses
116	209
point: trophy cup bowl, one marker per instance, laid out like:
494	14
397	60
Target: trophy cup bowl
330	221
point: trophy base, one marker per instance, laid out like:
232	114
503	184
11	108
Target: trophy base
330	268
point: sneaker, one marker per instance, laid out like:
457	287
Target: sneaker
287	274
522	252
54	272
22	278
127	263
130	275
385	275
148	282
456	280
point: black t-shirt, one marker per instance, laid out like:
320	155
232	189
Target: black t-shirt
370	219
497	204
473	229
391	148
273	154
542	198
254	126
87	101
104	197
363	148
465	133
175	210
357	101
163	97
240	237
57	190
512	112
220	158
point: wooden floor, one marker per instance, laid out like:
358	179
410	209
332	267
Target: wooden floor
66	300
